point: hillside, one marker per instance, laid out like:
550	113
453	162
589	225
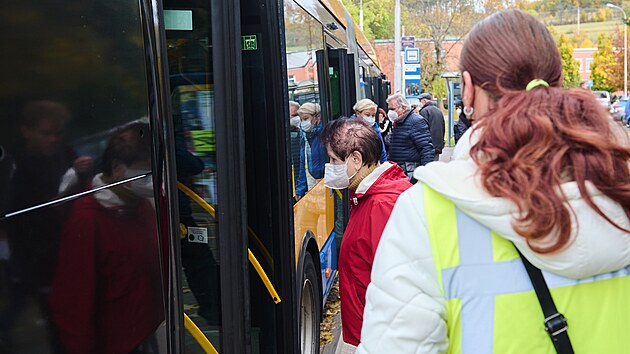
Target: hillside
591	29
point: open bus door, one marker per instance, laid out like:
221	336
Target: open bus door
343	89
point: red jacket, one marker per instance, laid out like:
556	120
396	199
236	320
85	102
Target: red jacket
106	295
371	204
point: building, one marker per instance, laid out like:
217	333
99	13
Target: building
385	52
585	56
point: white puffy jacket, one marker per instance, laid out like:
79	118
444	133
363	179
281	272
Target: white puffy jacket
405	311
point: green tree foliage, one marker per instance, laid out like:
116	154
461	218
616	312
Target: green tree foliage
378	17
602	69
570	66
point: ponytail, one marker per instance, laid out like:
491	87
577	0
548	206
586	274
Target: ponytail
534	141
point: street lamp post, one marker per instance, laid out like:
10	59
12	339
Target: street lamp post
625	48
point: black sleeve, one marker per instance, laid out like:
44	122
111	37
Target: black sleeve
421	137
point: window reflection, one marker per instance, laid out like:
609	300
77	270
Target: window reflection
106	290
304	37
78	78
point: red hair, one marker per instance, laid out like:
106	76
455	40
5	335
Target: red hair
532	142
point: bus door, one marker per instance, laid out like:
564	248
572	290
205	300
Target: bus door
342	82
192	91
343	97
210	72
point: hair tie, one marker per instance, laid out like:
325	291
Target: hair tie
535	83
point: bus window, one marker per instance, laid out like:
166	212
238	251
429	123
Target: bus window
78	272
303	38
189	45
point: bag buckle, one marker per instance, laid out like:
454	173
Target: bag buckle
556	324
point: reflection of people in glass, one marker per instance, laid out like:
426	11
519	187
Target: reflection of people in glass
312	153
294	119
44	169
106	293
200	267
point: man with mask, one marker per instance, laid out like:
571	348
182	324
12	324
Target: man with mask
366	109
106	294
312	152
411	139
430	111
354	150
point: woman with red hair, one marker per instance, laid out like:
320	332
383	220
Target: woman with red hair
546	182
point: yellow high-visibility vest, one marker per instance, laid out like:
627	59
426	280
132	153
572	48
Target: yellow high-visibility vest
491	305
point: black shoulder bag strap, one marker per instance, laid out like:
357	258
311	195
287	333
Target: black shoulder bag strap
555	323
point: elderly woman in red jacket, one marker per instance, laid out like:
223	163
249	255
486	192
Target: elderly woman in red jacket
354	150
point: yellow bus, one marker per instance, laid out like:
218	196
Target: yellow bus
147	185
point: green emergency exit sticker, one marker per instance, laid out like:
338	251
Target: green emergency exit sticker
178	20
249	42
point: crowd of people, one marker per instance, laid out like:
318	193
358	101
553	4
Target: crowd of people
519	244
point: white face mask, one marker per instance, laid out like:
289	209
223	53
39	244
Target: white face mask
459	111
306	125
336	176
295	122
392	115
142	187
369	120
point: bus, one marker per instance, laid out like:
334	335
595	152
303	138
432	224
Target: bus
147	185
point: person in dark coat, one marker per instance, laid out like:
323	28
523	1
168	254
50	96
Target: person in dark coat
411	139
435	118
462	124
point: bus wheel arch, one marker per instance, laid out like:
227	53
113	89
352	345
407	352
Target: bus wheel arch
309	295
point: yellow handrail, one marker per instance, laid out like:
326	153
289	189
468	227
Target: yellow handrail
199	336
194	196
263	276
252	259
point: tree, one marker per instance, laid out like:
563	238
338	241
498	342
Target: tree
442	20
570	66
586	43
602	69
378	17
617	70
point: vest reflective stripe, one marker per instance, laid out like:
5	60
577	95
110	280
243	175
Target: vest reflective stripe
491	305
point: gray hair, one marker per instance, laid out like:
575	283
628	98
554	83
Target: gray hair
364	105
400	100
294	104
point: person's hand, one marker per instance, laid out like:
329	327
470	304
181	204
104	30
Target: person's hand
297	198
83	164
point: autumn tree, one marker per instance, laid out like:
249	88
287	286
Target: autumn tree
602	69
378	17
570	66
443	20
618	45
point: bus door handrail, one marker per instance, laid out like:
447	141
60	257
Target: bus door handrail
252	259
203	341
